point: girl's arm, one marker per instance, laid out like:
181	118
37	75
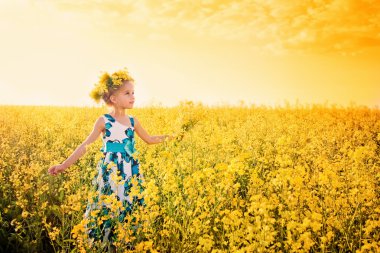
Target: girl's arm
81	149
149	139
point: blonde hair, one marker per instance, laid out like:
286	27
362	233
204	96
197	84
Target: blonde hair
109	84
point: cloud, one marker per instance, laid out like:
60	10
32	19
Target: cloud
322	26
319	26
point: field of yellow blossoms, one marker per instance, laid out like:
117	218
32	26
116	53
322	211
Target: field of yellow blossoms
236	179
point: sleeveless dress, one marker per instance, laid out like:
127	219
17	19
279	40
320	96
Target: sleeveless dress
115	173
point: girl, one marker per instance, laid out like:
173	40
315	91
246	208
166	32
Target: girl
117	129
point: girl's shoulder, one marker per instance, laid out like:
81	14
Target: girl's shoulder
100	123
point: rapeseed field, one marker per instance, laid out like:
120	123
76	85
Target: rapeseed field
236	179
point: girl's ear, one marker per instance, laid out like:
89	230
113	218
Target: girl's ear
112	99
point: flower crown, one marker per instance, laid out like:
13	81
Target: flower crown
109	82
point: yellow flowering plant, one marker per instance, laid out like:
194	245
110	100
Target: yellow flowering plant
240	180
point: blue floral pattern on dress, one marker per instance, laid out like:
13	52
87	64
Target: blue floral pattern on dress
122	164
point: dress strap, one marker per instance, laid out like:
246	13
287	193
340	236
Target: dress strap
108	118
132	121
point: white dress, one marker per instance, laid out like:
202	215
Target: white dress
114	173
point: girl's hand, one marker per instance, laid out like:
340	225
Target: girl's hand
169	137
56	169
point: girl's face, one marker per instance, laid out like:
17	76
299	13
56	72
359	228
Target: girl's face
124	97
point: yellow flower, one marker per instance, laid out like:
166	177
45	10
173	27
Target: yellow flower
53	234
145	246
79	228
94	213
25	214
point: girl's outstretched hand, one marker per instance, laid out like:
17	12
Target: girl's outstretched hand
170	137
56	169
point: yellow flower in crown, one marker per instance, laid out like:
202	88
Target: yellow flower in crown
109	82
120	76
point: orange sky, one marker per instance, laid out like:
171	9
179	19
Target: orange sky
262	52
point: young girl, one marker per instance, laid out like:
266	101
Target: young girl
117	129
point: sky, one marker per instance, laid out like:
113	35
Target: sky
262	52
